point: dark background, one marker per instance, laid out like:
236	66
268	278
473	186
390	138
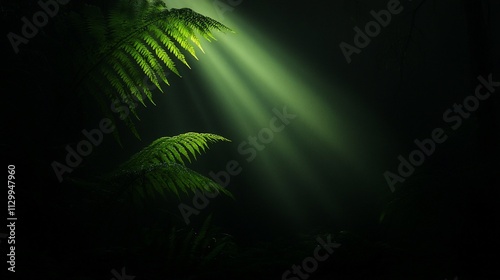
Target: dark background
442	222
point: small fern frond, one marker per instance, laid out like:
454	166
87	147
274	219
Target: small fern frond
200	240
173	149
190	249
161	166
96	23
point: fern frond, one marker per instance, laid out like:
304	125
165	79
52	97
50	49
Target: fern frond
162	55
200	240
160	166
180	35
137	90
96	23
162	178
173	149
141	33
170	45
190	249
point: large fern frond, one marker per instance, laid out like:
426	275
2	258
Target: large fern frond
161	166
137	39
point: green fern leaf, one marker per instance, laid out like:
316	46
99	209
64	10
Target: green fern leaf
160	166
132	33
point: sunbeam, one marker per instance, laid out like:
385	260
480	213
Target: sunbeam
250	76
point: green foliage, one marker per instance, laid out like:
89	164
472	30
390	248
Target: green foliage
132	44
196	247
161	166
189	251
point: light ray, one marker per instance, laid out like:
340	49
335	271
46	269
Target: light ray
249	75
